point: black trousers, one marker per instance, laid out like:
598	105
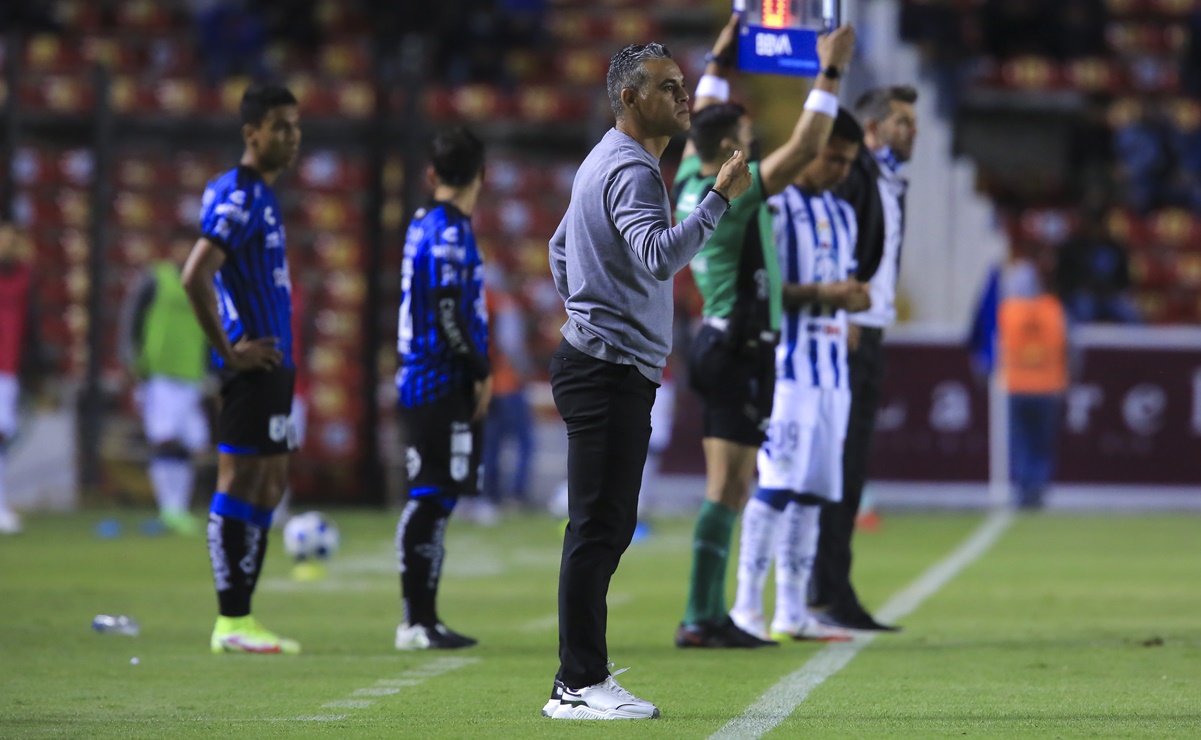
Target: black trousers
831	586
607	408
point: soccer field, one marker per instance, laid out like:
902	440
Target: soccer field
1066	626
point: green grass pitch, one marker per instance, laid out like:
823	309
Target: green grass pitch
1069	626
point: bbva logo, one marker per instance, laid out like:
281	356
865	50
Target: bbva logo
772	45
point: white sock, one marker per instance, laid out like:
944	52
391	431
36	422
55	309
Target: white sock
172	480
795	550
183	477
754	557
160	480
3	487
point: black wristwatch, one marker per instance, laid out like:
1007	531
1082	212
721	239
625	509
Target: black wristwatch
831	72
724	59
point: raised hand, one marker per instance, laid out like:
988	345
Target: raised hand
836	48
734	179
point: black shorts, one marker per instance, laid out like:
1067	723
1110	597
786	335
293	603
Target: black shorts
443	447
256	412
735	385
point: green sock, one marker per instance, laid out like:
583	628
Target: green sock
710	560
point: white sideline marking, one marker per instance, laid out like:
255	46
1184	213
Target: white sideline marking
781	700
551	621
375	692
389	686
347	704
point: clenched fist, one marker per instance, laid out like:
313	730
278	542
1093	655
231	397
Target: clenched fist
836	48
734	179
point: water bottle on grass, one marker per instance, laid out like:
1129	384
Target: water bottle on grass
109	624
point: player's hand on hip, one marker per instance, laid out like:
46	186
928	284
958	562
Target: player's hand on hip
255	354
734	179
483	397
836	48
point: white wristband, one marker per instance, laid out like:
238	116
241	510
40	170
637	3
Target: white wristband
712	86
820	101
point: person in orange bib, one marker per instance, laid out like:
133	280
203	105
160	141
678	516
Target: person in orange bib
1033	332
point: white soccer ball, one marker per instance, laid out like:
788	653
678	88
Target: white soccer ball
311	536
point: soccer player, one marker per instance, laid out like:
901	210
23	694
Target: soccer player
800	465
731	365
238	282
613	258
444	380
876	188
165	349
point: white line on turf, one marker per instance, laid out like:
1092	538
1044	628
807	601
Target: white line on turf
390	686
781	700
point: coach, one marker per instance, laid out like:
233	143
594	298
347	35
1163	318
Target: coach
876	189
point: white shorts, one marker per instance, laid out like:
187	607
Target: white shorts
803	451
300	418
172	411
663	414
9	392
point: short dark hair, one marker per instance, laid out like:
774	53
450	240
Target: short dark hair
457	156
626	70
713	123
846	128
876	104
260	98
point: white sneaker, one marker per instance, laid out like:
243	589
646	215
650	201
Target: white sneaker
811	630
605	700
752	623
10	523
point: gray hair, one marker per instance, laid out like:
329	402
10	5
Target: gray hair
626	69
876	104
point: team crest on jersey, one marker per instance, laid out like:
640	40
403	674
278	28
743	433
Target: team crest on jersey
451	235
238	197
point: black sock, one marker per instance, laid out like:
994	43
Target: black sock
227	538
256	550
420	535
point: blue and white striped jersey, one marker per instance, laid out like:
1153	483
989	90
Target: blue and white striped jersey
815	240
443	347
240	215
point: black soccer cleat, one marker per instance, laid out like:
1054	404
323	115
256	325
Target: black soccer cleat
438	637
724	634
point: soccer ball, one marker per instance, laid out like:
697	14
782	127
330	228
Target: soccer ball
311	536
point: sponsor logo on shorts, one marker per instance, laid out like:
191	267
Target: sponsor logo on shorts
412	462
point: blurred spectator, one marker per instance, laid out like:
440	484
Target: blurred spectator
509	415
232	39
1092	274
1142	149
1033	341
18	318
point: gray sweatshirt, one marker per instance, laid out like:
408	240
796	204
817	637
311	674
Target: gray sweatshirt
615	253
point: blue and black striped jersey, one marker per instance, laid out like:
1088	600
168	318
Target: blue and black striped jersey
443	325
240	215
